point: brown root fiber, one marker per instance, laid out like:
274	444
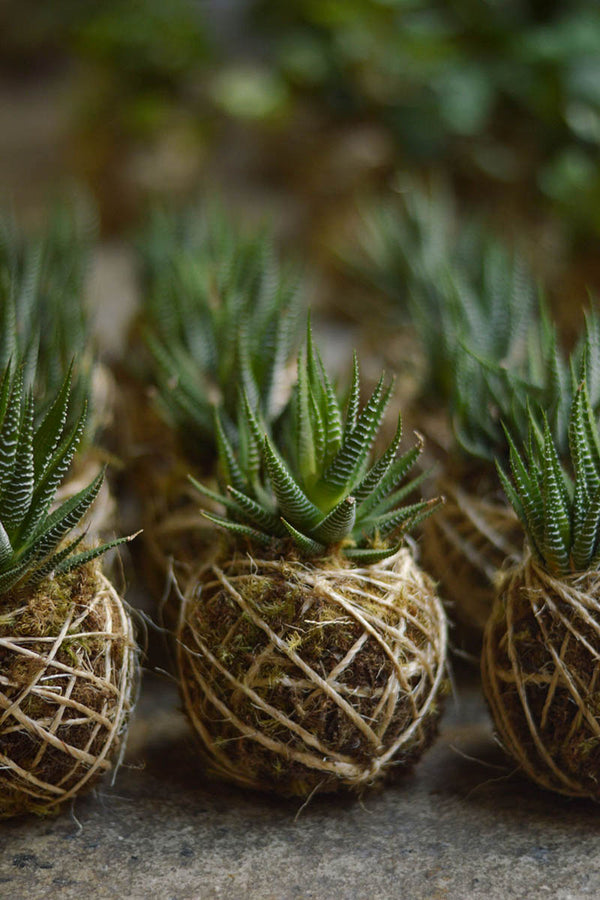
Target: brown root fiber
541	676
464	546
301	679
68	676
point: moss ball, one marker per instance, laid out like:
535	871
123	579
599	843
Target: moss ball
541	676
301	678
68	671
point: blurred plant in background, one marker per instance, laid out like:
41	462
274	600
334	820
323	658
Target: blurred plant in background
507	89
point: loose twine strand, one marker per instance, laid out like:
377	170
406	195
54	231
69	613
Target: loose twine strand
564	606
467	543
363	595
54	683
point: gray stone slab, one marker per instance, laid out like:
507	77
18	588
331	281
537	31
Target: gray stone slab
461	825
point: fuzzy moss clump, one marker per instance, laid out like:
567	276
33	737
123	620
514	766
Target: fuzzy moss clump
301	679
67	662
540	671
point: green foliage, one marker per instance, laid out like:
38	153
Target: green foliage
219	313
492	395
146	42
35	539
459	287
43	320
559	509
317	485
437	71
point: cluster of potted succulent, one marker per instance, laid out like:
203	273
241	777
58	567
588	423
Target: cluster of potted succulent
309	642
68	659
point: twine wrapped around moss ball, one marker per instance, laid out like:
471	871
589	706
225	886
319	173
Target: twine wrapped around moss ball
465	546
301	678
541	676
68	682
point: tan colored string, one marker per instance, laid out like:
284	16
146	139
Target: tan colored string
415	647
54	683
465	545
564	614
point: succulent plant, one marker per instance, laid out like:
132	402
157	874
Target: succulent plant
291	664
219	312
460	287
542	641
318	488
68	662
33	462
43	318
559	512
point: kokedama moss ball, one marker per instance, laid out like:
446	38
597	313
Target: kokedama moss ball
68	677
301	678
541	676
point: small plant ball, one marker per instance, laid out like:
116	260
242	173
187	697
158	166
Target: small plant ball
479	535
68	661
68	673
541	650
312	649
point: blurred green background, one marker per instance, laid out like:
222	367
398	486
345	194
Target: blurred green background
297	111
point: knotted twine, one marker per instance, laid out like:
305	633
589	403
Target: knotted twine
64	725
465	545
541	676
273	715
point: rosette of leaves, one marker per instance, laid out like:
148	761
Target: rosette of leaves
289	661
45	324
317	489
542	642
454	285
67	659
219	312
43	319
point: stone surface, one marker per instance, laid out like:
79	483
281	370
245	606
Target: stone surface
461	825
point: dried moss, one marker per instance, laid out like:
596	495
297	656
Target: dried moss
542	656
38	669
283	599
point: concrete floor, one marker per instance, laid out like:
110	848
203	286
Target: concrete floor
460	826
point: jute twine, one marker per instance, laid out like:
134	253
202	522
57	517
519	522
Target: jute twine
339	685
541	676
83	704
465	545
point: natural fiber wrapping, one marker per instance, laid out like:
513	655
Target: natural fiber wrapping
541	676
68	681
300	678
465	545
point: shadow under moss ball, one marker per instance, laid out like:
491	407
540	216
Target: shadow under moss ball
541	676
68	676
301	678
